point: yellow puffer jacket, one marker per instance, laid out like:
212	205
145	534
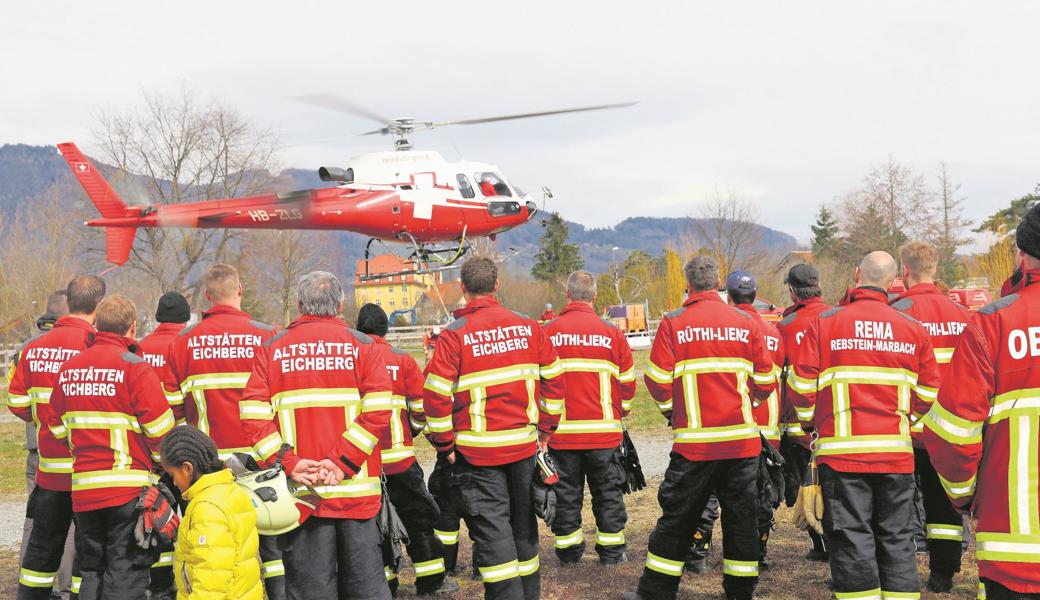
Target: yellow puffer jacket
217	544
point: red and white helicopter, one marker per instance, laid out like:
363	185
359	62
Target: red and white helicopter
407	196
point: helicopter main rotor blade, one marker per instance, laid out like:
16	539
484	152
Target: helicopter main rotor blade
340	104
530	115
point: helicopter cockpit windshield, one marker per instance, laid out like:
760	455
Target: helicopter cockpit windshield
491	185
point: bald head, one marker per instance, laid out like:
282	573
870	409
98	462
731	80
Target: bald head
878	269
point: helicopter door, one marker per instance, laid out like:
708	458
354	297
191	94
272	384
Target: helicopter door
423	195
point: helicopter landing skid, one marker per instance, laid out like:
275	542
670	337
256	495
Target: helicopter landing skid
444	258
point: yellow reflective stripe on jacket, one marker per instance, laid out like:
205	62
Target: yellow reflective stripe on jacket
255	410
490	439
592	365
377	401
567	427
225	453
867	375
801	385
439	424
550	406
395	455
628	376
1024	475
943	355
1017	403
18	401
174	398
215	381
62	466
160	426
40	394
958	489
92	480
551	370
952	428
1008	547
727	433
490	377
658	374
356	487
361	437
316	398
59	431
82	419
269	446
698	366
863	444
440	385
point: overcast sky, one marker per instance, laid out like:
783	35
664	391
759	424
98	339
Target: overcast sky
786	103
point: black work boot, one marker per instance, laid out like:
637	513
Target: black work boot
571	555
940	583
632	596
697	559
447	588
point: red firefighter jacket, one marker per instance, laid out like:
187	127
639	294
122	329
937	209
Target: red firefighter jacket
943	318
600	378
323	389
155	347
863	371
981	435
395	445
767	413
493	380
707	365
797	319
34	375
209	364
108	406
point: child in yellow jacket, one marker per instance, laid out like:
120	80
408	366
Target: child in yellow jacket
216	555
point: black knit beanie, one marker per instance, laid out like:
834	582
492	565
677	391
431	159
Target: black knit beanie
1027	236
173	308
372	320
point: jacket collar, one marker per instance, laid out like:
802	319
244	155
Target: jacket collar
208	481
920	289
70	321
169	328
749	309
303	320
377	339
1018	281
224	309
578	307
875	294
475	305
104	338
710	296
802	304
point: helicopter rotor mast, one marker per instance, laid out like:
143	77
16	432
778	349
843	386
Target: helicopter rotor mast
403	127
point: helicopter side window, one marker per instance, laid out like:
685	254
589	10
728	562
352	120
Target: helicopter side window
465	187
492	185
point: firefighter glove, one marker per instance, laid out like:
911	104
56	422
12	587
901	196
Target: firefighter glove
157	521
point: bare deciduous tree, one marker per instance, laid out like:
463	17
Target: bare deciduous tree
728	230
274	261
180	149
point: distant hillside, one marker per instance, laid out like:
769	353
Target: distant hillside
27	171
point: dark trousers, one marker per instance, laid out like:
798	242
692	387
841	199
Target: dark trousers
944	526
272	568
106	547
797	461
605	475
418	511
702	538
51	515
995	591
502	524
446	527
328	559
683	494
868	522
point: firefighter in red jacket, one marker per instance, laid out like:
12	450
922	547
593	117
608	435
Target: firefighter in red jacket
981	434
321	389
405	480
601	381
207	368
29	399
494	391
803	285
108	406
171	315
741	289
864	373
708	365
944	319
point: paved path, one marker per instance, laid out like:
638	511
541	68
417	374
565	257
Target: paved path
653	451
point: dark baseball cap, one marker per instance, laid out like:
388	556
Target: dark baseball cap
741	281
802	275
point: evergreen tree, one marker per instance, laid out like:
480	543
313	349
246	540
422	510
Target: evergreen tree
825	234
556	258
950	227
